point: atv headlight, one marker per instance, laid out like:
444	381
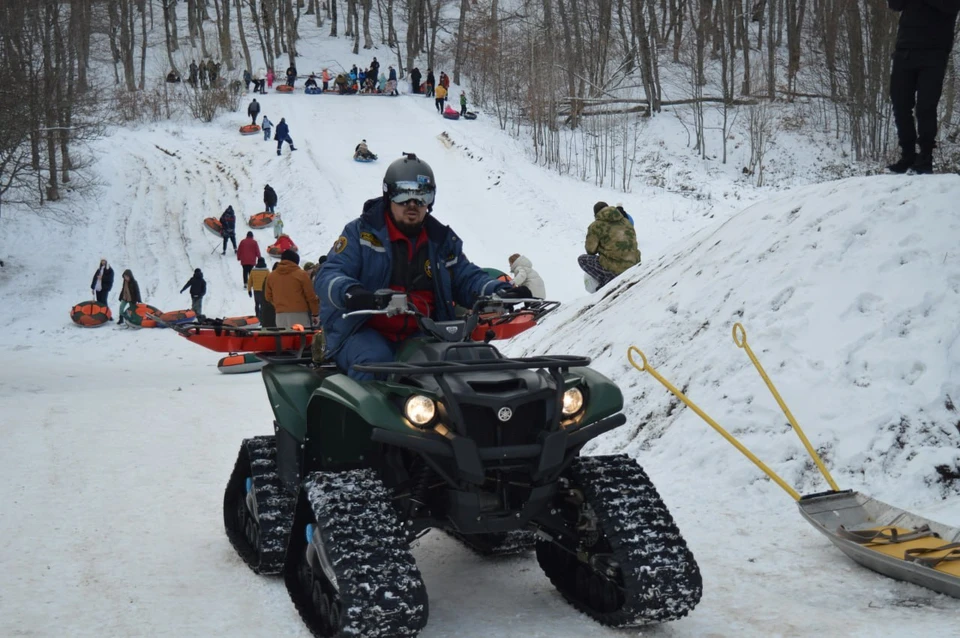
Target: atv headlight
420	409
572	401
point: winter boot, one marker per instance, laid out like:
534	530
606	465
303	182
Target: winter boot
278	152
293	148
907	157
923	164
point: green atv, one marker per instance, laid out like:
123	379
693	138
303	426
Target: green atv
459	438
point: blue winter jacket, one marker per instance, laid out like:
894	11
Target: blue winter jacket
362	256
282	131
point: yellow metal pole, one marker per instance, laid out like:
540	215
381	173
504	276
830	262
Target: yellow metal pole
740	338
645	367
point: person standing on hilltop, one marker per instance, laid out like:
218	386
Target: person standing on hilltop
922	52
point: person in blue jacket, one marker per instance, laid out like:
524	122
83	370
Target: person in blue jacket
396	243
283	135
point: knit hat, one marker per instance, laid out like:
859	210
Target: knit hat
309	265
197	272
290	255
261	262
599	206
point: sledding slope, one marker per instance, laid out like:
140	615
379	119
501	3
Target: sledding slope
118	444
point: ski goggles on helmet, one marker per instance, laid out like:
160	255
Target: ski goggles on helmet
404	192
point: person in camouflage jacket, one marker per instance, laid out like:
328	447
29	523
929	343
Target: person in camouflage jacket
611	245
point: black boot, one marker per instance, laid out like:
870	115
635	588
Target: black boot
907	157
923	164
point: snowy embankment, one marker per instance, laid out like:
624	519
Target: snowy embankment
117	443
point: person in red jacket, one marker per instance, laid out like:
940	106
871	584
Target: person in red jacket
247	254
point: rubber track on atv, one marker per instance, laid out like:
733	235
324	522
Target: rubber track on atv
509	544
381	591
662	581
275	506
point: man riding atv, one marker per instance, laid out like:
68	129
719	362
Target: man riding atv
396	244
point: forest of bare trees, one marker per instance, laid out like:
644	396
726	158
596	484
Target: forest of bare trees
577	79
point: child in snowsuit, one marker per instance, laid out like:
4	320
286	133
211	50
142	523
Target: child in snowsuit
266	125
129	294
525	275
463	103
277	226
198	288
255	283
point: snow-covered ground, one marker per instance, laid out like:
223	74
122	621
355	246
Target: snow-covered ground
117	444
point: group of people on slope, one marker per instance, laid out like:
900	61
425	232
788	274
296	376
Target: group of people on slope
283	129
205	74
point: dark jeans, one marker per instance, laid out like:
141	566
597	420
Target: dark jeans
325	85
463	110
271	208
366	345
590	264
439	102
258	302
253	117
917	81
246	272
197	304
233	239
102	297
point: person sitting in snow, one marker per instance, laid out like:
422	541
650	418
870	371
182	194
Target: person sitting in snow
198	288
311	82
362	152
525	275
611	245
228	225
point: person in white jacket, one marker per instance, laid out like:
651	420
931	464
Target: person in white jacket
525	275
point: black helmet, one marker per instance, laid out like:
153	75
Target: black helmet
409	178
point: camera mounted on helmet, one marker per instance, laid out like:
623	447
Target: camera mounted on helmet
410	179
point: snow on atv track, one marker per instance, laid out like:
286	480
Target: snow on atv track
117	443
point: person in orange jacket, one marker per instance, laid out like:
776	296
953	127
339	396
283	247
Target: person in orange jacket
291	292
441	96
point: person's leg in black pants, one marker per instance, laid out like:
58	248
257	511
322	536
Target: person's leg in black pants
903	91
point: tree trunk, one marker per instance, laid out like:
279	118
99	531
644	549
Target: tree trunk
367	38
142	7
243	36
461	50
125	44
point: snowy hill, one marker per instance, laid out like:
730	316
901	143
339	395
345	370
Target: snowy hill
118	444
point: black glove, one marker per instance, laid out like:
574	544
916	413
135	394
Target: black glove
249	293
359	298
517	292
